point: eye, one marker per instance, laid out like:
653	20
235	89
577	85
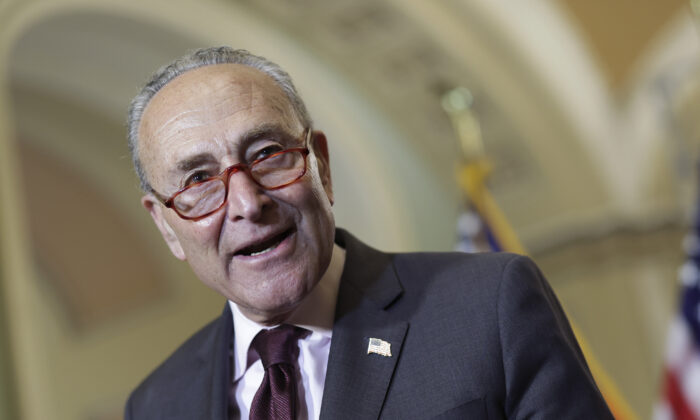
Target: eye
266	151
197	176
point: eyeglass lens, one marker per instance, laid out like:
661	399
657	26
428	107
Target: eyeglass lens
205	197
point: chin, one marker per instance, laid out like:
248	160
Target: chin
273	314
271	302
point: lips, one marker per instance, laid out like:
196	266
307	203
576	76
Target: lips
264	245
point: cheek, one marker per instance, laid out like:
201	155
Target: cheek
312	211
318	213
200	237
312	202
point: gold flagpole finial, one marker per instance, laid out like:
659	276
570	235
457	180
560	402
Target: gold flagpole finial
457	103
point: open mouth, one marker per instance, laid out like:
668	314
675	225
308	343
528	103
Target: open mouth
264	246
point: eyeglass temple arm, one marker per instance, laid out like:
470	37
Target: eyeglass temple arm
157	195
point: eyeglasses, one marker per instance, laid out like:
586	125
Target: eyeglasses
278	170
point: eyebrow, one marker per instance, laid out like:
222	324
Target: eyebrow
195	161
262	131
247	138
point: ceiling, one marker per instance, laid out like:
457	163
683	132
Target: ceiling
620	32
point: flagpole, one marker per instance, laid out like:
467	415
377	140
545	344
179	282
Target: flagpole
476	167
472	176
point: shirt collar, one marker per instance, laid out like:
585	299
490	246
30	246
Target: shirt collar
316	313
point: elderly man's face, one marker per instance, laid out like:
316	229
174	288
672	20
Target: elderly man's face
264	250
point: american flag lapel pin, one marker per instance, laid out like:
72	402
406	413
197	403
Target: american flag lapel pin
379	346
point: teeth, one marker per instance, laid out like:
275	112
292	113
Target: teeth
252	254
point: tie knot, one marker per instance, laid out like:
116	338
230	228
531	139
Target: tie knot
278	345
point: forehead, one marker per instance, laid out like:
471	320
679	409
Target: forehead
215	101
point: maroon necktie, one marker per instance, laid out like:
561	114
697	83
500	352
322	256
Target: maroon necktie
278	350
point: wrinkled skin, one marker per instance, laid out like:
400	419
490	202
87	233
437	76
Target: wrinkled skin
206	120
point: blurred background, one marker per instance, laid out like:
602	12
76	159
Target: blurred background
589	113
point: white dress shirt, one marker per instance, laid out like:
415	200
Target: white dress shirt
315	313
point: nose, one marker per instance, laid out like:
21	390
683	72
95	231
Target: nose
246	200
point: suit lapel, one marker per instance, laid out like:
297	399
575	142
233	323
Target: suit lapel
215	372
357	382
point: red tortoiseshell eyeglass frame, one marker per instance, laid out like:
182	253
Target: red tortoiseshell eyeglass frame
225	176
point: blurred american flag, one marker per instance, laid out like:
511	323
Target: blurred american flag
681	377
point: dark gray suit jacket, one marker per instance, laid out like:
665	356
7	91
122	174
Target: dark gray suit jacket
472	336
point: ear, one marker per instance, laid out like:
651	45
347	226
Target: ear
320	146
154	207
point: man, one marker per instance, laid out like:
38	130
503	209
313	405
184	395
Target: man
239	185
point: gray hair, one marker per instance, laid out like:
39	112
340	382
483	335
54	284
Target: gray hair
200	58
